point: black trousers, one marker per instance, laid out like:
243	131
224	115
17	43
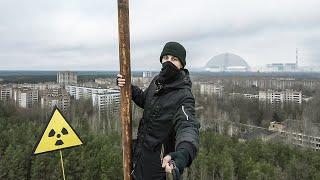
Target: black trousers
148	166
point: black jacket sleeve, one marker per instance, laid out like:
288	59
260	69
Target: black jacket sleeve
187	128
138	96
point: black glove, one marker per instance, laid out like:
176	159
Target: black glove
175	175
117	82
180	158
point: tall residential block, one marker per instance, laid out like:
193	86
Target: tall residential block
67	77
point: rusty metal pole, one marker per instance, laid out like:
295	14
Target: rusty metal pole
125	70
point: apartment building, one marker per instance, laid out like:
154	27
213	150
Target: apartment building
5	92
25	97
55	97
80	92
273	96
109	100
211	88
67	77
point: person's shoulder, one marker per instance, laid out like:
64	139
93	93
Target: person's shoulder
152	82
185	95
187	92
155	77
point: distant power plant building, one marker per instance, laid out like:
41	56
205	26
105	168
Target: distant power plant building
208	88
67	77
25	97
281	96
282	67
287	67
227	62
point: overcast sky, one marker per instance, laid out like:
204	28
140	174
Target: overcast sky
83	34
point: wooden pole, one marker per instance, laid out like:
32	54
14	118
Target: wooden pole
125	70
61	159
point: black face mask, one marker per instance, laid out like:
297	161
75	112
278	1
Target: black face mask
168	72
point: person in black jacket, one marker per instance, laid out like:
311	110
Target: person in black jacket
168	132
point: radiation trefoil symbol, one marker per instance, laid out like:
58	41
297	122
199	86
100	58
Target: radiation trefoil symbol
52	133
58	135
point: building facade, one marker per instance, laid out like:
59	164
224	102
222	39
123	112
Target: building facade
211	88
67	77
80	92
273	96
25	97
109	100
5	93
55	97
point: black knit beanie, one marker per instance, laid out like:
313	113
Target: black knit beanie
174	49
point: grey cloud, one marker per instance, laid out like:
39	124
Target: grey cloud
83	34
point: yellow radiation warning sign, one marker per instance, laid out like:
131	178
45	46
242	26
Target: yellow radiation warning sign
58	135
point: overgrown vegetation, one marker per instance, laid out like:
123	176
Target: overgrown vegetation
100	157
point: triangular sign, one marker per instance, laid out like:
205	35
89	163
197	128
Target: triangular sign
57	135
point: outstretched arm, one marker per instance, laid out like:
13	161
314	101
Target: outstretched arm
187	135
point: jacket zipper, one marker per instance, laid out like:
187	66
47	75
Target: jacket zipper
185	113
133	169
